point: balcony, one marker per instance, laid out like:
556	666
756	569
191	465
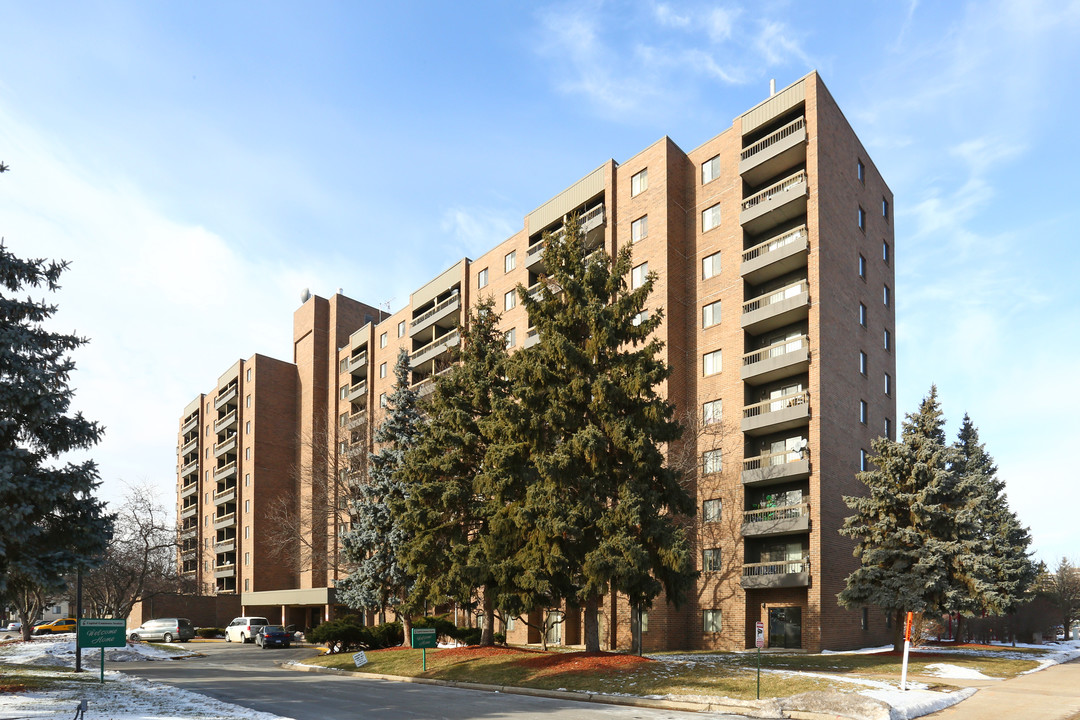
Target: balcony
185	551
777	361
225	571
356	362
438	315
225	446
190	446
774	153
777	414
776	309
225	471
434	349
424	387
226	495
357	391
191	424
226	422
356	420
224	397
532	336
591	221
224	521
189	510
189	489
356	450
777	256
225	546
786	574
190	469
534	255
776	204
775	467
776	521
188	532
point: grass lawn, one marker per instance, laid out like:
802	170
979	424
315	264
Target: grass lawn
21	678
686	674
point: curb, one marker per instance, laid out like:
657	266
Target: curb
764	709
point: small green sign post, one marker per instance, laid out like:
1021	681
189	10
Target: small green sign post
102	633
424	638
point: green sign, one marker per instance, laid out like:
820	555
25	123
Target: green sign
102	633
424	638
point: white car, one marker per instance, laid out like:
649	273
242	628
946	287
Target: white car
244	629
14	626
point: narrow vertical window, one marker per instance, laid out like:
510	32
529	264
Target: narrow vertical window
886	295
639	182
710	170
862	219
639	229
887	340
885	251
510	261
861	169
710	218
863	411
509	300
885	208
862	362
482	278
862	267
888	384
511	336
638	275
862	314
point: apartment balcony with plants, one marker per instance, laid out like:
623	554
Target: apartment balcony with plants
774	459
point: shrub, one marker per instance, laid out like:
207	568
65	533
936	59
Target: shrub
500	639
210	632
467	635
346	634
444	629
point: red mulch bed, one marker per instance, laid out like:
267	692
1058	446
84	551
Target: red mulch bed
581	661
475	651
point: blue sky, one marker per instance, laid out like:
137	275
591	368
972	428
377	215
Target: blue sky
202	163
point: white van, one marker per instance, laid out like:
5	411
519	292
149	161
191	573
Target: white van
244	629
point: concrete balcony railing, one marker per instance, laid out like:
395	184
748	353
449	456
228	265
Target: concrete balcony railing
777	256
442	310
192	468
185	551
188	532
224	397
776	521
356	449
534	255
785	574
357	391
433	349
190	425
189	511
225	446
189	488
356	420
190	446
226	495
532	336
225	471
424	387
777	414
777	361
225	571
776	309
225	546
225	422
776	204
224	521
591	221
774	153
356	362
775	467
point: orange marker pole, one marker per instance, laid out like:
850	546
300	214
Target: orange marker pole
907	647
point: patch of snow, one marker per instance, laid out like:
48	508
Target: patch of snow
946	670
59	650
916	703
861	651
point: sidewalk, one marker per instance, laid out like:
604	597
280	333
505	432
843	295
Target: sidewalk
1050	694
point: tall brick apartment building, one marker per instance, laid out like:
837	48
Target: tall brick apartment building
773	246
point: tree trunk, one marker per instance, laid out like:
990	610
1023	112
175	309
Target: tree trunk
592	623
899	618
487	635
406	627
959	628
635	631
24	619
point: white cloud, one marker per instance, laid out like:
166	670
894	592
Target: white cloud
720	24
476	230
668	17
778	45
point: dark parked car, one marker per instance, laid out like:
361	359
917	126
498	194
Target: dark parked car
273	636
164	629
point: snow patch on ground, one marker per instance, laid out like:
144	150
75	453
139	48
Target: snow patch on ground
946	670
916	703
60	650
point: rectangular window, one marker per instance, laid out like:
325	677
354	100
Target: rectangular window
711	621
247	532
886	340
885	251
640	317
639	182
865	618
888	428
710	218
886	295
711	412
862	362
639	229
247	479
862	267
862	219
510	261
482	278
710	170
710	266
710	560
885	208
510	336
864	461
247	400
247	428
863	411
344	392
401	328
712	363
247	558
862	172
248	376
383	340
888	384
382	400
382	370
247	453
638	275
710	315
644	615
509	300
343	419
862	314
711	461
247	584
711	510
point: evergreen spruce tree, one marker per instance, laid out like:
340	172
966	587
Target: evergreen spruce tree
1000	559
374	543
912	530
51	522
590	503
448	507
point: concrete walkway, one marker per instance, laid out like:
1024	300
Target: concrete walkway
1050	694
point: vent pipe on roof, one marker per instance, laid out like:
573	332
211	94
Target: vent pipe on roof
772	87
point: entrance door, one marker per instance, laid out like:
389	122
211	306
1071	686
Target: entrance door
785	627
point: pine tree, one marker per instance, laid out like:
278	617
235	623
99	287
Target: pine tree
374	543
1000	559
448	507
913	530
590	498
51	522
